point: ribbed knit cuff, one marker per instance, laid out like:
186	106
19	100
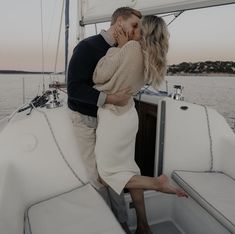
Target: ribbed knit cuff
101	99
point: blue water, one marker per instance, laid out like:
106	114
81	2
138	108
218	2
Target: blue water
213	91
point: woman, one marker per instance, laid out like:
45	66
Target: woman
134	64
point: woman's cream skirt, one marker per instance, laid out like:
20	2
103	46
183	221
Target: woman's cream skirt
115	147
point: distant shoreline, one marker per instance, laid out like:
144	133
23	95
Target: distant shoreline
26	72
207	68
209	74
12	72
203	74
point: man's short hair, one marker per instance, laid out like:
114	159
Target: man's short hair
125	12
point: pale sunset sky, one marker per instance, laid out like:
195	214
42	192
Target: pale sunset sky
196	35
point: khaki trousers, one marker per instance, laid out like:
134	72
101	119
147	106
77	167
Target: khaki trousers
84	128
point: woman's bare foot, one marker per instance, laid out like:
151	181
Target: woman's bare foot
166	187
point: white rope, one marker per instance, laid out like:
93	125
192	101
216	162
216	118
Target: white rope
10	117
210	139
58	146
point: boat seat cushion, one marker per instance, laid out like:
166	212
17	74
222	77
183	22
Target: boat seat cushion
81	210
214	191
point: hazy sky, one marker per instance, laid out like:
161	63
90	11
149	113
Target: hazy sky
198	35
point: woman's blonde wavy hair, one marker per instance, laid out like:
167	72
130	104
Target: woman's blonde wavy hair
154	41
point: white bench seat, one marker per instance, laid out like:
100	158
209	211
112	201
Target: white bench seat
214	191
82	210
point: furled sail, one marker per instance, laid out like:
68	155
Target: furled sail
94	11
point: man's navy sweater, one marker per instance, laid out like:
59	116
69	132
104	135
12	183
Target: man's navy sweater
82	97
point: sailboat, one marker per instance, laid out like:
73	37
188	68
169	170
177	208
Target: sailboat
44	187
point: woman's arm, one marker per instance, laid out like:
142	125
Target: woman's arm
114	60
108	65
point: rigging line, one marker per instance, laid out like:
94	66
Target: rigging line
62	90
177	14
55	6
169	14
58	42
52	20
42	45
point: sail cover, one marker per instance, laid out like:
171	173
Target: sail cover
95	11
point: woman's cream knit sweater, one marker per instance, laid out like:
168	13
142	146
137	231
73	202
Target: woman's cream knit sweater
118	69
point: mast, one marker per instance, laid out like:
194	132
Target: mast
66	36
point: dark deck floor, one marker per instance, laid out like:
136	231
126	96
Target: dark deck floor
165	228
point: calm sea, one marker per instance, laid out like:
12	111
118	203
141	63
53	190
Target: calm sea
216	92
11	90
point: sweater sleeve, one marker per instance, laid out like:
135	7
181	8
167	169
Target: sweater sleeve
106	66
111	62
80	71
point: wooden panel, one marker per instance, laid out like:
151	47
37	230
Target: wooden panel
146	137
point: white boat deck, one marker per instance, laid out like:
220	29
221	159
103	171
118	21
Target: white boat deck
36	168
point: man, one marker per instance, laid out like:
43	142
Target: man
84	100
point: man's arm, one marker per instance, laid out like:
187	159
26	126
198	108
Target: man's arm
120	98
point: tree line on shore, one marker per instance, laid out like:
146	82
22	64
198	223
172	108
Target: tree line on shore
206	67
